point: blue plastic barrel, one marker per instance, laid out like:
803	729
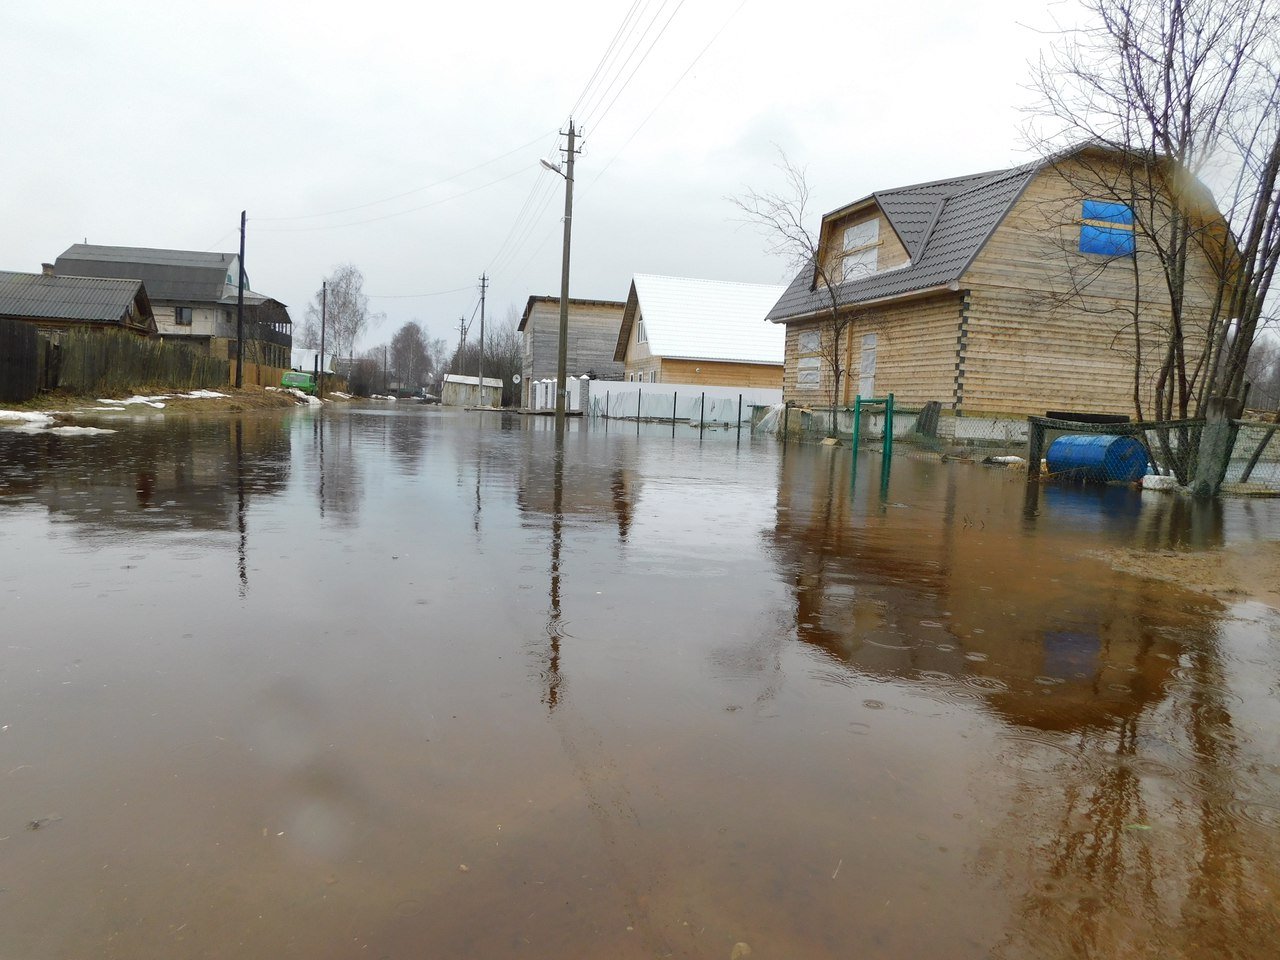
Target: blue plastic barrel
1098	456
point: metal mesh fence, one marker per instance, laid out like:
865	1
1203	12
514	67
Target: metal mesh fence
1113	452
1255	458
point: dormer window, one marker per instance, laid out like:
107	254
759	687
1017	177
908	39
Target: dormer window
861	250
1106	228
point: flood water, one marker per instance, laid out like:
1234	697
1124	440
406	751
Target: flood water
400	682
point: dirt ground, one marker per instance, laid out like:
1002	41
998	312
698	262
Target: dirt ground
1240	572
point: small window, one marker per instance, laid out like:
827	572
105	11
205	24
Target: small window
1106	228
182	316
641	336
653	376
807	342
861	250
808	371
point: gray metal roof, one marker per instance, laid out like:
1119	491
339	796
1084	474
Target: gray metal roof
36	296
184	276
943	224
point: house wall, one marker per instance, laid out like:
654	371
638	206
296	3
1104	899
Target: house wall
593	337
721	374
206	321
916	343
1047	327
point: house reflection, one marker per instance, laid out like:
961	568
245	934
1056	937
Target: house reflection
1111	702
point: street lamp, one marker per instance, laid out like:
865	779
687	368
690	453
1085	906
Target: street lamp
562	353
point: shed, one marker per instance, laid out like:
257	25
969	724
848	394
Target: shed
460	391
58	303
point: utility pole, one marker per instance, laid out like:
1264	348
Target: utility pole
324	309
240	312
462	339
563	348
484	282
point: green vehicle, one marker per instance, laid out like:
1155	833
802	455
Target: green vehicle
306	382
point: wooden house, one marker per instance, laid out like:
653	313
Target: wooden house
998	294
54	303
702	332
195	297
592	333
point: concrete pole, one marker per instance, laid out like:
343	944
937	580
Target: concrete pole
240	312
562	352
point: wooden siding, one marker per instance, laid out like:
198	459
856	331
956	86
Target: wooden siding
716	373
1051	328
593	337
916	352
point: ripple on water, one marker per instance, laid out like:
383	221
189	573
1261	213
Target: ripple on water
1042	754
1255	812
985	684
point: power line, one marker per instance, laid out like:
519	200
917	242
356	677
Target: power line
398	213
680	79
593	104
408	193
605	57
416	296
600	118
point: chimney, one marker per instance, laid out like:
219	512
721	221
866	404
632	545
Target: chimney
46	269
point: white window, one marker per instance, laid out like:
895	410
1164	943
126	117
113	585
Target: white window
808	371
641	336
807	342
653	376
861	249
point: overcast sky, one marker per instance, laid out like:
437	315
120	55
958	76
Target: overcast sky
405	137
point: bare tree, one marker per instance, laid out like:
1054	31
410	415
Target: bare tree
410	361
783	217
346	312
1187	92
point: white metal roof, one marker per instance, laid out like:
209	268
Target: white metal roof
471	381
692	319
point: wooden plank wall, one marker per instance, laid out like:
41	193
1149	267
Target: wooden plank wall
714	373
593	336
916	343
1051	328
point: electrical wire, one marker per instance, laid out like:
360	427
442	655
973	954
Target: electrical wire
680	79
407	193
398	213
600	118
593	105
608	50
415	296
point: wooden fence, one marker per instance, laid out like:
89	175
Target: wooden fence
19	361
106	361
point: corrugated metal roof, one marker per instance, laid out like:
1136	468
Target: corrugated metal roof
471	381
688	319
90	299
186	276
943	225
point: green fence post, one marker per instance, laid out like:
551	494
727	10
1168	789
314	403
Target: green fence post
857	424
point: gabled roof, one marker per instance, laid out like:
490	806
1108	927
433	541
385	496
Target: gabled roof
686	319
186	276
943	224
573	302
37	296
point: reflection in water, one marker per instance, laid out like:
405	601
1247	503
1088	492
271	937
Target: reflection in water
799	717
1119	740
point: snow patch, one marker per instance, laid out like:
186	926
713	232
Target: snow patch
21	416
157	401
78	431
205	395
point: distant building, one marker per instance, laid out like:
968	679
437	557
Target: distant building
592	334
53	303
193	294
460	391
708	332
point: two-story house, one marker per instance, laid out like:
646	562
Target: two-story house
592	334
1002	293
193	294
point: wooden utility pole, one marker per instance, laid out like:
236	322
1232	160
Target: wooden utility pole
324	309
484	283
240	312
562	351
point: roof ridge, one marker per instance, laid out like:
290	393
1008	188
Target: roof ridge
735	283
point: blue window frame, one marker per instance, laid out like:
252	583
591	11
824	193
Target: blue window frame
1106	228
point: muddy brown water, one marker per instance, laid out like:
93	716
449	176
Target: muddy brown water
397	682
